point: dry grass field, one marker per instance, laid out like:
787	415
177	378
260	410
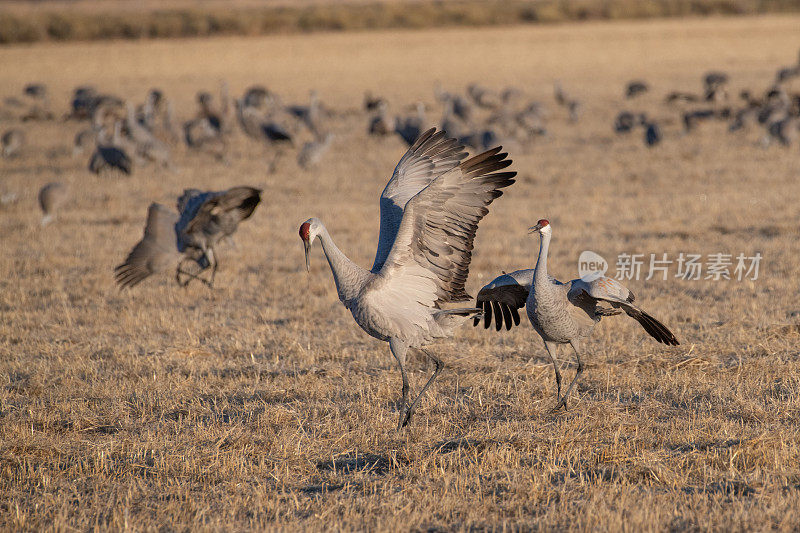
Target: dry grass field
261	405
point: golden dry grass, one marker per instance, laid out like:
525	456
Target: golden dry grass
261	405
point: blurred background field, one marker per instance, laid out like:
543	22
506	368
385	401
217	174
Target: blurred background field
65	20
261	405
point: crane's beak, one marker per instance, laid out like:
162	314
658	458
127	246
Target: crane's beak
307	246
534	229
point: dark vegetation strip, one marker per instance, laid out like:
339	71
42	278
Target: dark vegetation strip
64	25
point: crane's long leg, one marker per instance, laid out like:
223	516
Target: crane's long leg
180	271
189	275
439	366
551	348
563	401
399	349
212	258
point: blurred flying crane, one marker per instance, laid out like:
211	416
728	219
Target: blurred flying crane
561	313
430	211
171	239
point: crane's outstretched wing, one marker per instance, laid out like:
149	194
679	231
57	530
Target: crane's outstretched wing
504	295
157	251
223	210
611	291
433	249
431	156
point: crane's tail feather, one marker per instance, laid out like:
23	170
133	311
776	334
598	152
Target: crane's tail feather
656	329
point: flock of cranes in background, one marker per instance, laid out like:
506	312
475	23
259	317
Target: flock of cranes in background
122	135
414	293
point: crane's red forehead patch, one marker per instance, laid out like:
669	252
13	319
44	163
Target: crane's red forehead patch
543	222
305	231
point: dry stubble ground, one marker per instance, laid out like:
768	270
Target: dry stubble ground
261	404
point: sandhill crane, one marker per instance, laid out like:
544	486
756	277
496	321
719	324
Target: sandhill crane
572	105
381	123
785	131
40	103
714	80
510	94
744	118
681	96
262	128
480	140
83	102
86	100
636	88
450	123
258	97
209	130
88	136
51	198
460	106
626	121
561	313
430	211
12	142
157	105
652	133
110	154
147	145
313	151
372	103
692	118
787	73
171	239
83	140
483	97
308	115
410	128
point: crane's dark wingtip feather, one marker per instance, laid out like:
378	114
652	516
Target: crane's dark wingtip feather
498	316
506	315
655	329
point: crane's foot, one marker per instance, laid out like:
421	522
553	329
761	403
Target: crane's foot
190	277
561	403
405	417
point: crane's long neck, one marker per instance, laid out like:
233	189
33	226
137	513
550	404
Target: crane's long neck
349	277
540	277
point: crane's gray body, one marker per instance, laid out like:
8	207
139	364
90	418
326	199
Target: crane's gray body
430	211
561	313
